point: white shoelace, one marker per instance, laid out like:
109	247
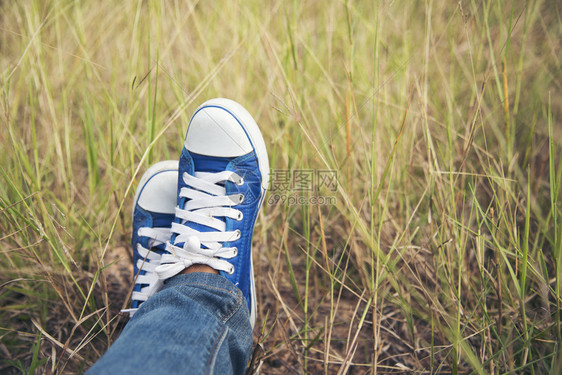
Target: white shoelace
148	262
207	201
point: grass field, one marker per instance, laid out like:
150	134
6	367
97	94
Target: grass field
440	250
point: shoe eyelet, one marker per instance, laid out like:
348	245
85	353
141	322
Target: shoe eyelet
240	216
231	270
238	234
240	198
240	181
235	250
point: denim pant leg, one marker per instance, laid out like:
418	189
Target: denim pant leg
197	324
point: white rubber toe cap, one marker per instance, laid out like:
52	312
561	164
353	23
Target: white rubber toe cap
157	190
214	131
223	128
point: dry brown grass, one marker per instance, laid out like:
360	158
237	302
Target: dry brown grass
442	251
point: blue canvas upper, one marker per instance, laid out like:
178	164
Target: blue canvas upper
247	167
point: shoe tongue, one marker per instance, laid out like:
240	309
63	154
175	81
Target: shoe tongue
161	220
205	163
159	249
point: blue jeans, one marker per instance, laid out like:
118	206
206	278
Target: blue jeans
197	324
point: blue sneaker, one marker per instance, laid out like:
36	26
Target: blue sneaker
153	214
223	177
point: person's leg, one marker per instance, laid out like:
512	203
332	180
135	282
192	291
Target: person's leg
198	324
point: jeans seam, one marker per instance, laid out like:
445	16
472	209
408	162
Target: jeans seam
235	308
207	286
212	353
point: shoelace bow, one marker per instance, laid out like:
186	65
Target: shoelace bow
207	202
148	262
